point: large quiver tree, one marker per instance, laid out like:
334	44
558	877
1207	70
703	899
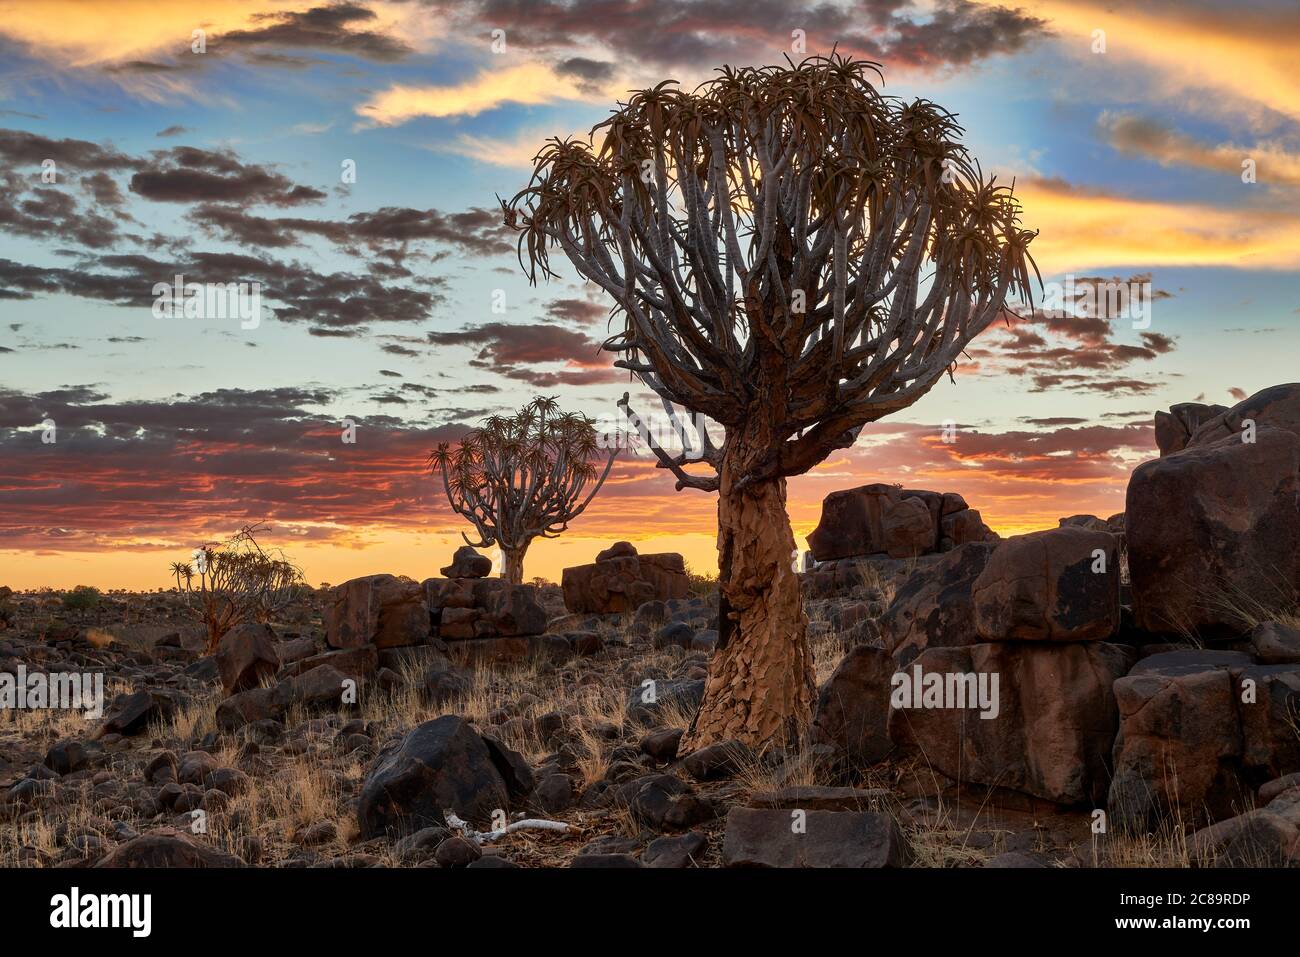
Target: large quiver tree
522	477
793	255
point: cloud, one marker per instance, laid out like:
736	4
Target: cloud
476	231
1151	139
21	148
528	83
516	350
516	151
702	34
51	213
1084	228
333	28
186	174
84	35
1244	53
333	303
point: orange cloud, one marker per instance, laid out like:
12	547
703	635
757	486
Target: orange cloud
529	83
1086	229
1247	54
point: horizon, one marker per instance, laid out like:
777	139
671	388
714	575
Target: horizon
348	158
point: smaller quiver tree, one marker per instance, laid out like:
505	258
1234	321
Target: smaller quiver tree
239	580
522	477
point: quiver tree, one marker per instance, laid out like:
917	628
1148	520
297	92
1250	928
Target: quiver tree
793	255
522	477
235	581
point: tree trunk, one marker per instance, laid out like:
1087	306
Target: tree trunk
761	686
512	565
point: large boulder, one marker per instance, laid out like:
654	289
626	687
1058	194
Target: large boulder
620	580
440	765
933	608
1061	584
381	610
1052	722
1175	427
1179	745
1215	528
852	712
770	838
1200	731
246	656
1277	407
901	523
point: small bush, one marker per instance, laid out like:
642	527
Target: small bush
82	598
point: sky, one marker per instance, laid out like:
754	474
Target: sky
348	157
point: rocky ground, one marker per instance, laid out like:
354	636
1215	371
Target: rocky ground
287	791
559	734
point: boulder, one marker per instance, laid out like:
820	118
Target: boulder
381	610
167	847
1175	427
723	759
885	519
662	802
771	838
675	851
1213	528
440	765
819	797
1090	522
852	712
933	608
359	662
1061	584
131	714
246	656
1277	407
66	757
1258	838
1055	720
1179	745
320	689
468	563
246	707
620	581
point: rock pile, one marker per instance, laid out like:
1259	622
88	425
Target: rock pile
887	520
387	611
620	580
1096	704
